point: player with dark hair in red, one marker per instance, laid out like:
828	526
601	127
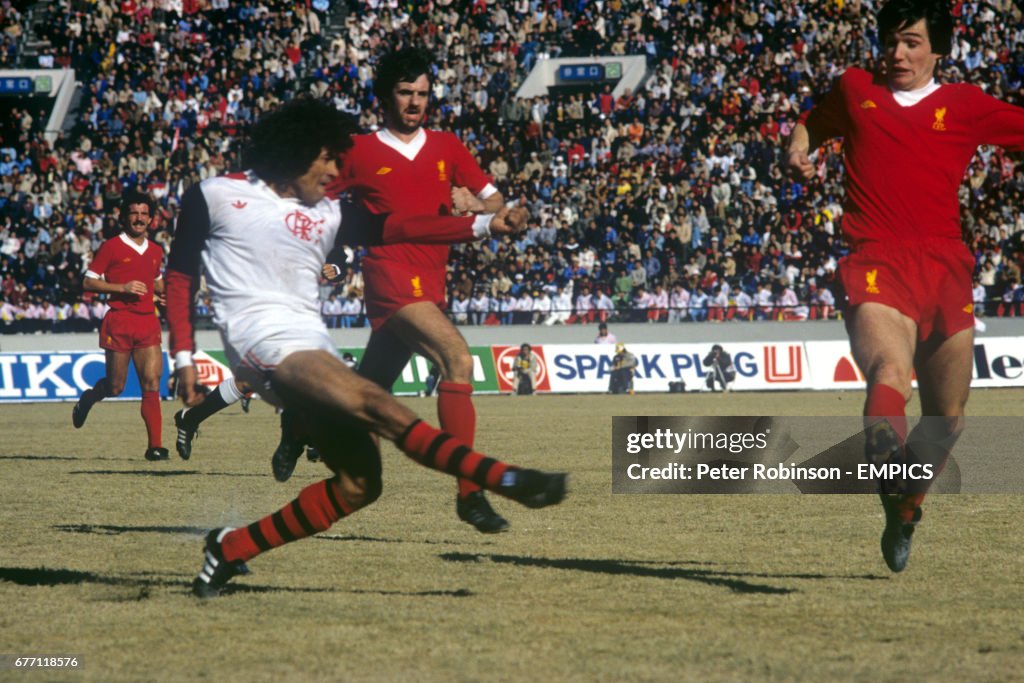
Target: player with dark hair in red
407	169
907	142
127	268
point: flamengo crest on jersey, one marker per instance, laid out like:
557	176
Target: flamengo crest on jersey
263	256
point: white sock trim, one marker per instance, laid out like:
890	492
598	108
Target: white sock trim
229	391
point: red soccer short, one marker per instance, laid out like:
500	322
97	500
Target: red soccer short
927	281
391	286
124	331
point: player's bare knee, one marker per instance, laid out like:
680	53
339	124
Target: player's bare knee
892	375
358	492
114	388
150	385
460	367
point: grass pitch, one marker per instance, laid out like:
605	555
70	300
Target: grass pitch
100	548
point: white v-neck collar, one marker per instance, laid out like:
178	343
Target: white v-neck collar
140	249
410	149
908	98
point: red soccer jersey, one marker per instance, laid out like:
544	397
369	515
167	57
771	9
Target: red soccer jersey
120	260
904	165
386	181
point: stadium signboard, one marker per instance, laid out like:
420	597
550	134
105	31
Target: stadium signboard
585	368
564	368
59	376
213	369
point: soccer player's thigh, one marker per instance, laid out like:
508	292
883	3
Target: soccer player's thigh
944	368
385	357
427	330
149	364
327	393
882	341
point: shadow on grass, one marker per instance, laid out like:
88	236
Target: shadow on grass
116	530
377	539
734	581
37	457
170	473
45	576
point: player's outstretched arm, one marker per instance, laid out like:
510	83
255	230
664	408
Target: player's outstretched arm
95	284
828	119
996	122
798	153
182	280
465	202
509	221
359	226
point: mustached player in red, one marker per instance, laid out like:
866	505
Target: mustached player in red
408	169
907	142
127	268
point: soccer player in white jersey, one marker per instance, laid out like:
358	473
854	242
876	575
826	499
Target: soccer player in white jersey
262	237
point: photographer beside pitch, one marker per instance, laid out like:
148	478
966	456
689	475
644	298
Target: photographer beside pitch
624	364
261	238
526	367
907	143
720	368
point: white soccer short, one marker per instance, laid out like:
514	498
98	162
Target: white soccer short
254	355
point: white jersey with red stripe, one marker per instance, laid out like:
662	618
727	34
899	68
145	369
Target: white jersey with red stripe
262	255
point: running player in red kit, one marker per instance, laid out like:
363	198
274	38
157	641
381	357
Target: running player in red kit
907	143
409	170
127	267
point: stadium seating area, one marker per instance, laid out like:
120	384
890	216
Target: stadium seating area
666	205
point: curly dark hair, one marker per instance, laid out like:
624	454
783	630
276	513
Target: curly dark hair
285	142
899	14
135	197
401	66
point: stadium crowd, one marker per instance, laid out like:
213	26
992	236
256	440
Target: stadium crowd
667	204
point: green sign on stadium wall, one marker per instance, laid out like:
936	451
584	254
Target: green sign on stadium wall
414	377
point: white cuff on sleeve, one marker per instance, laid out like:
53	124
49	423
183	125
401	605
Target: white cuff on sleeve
482	225
488	190
182	359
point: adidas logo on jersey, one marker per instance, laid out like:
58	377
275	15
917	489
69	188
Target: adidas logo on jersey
868	104
240	204
383	170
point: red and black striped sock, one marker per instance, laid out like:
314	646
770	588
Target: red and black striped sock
150	411
440	451
457	416
318	507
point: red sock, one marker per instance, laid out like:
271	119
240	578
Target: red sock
318	507
151	416
457	415
884	401
440	451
